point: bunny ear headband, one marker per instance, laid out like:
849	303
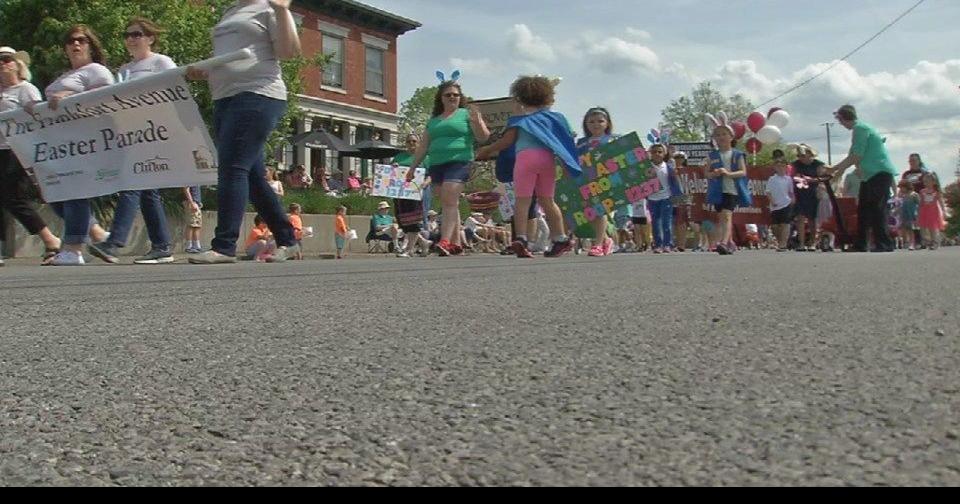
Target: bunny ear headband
657	137
723	121
454	77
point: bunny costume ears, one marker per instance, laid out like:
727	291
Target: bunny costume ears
719	121
454	77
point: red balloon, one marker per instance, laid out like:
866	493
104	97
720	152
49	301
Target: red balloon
772	111
739	129
754	145
756	122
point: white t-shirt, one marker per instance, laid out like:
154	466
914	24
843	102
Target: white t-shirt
82	79
153	64
752	228
471	224
253	26
276	185
729	187
663	175
639	210
780	189
14	98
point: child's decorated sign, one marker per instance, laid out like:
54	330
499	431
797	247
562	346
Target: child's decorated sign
390	182
614	176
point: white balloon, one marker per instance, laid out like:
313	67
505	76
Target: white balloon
770	135
780	119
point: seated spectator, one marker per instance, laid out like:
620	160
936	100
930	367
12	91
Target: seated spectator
432	230
260	243
299	178
323	180
335	185
384	224
367	187
353	182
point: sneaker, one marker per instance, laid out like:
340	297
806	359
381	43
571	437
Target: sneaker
67	258
608	246
194	250
596	251
283	254
722	250
444	248
559	248
667	250
456	250
520	248
425	251
156	256
104	251
212	257
1	262
403	255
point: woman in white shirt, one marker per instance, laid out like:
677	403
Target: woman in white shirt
140	38
15	92
249	99
87	72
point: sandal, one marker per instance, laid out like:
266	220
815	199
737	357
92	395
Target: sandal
50	254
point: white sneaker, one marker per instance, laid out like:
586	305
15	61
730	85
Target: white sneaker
1	262
427	245
403	255
283	254
211	257
68	258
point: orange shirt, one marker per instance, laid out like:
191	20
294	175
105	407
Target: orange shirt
297	224
341	226
257	234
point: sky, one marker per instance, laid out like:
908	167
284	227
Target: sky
634	57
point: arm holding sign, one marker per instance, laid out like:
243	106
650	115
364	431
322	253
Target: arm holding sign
480	131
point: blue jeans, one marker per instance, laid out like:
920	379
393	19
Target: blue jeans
77	219
242	124
661	213
153	216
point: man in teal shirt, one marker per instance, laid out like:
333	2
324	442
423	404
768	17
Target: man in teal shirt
869	153
385	225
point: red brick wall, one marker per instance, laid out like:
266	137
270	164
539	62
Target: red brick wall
354	64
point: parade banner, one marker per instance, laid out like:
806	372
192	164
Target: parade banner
697	152
614	176
694	185
141	134
390	182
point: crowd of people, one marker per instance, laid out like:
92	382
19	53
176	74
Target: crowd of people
249	99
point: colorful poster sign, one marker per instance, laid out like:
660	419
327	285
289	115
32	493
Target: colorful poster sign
614	176
390	182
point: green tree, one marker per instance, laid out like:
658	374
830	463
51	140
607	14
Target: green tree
952	199
416	111
685	115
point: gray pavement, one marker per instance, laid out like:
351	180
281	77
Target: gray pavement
758	369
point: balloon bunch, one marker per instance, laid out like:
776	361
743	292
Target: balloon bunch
659	137
765	130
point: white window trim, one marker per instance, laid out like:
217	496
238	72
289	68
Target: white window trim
377	99
333	89
333	29
377	42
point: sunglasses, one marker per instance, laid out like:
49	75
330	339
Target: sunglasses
6	58
451	95
133	34
82	40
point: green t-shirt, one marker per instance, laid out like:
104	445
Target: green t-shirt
451	139
380	220
406	159
869	146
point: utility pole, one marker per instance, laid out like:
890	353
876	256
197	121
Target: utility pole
829	144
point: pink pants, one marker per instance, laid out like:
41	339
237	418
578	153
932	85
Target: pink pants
535	171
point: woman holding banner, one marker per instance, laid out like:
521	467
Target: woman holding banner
249	100
87	72
448	141
15	92
140	38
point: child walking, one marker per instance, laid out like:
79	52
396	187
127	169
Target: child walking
661	202
539	138
194	208
340	231
780	189
727	189
909	214
598	131
932	212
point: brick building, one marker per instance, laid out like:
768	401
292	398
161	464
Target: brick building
355	96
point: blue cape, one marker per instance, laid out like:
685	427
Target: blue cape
552	130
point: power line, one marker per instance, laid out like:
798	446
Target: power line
851	53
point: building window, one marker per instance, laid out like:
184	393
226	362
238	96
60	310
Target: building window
333	72
374	77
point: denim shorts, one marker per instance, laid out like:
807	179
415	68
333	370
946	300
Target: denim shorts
456	171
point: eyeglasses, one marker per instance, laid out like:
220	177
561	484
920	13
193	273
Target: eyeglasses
82	40
133	34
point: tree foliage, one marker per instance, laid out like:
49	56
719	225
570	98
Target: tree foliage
952	199
685	115
416	111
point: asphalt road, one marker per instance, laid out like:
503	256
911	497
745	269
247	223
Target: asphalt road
758	369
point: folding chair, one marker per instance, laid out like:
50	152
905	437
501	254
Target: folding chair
378	244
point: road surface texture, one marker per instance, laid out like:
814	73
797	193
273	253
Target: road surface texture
757	369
